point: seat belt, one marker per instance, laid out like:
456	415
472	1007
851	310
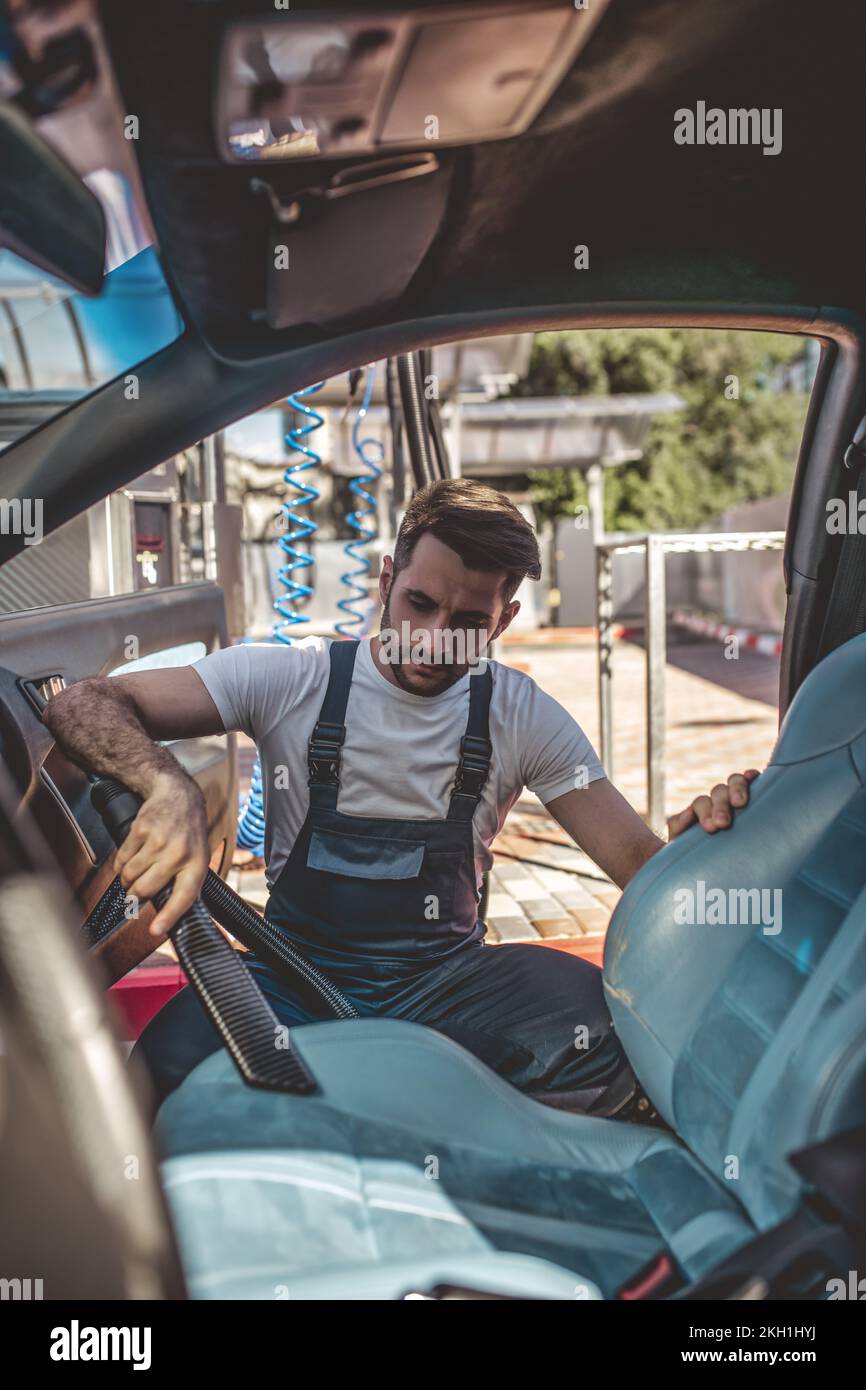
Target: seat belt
846	615
823	1240
820	1243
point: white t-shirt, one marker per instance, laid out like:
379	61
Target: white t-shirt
401	750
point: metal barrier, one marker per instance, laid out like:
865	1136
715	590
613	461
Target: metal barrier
655	545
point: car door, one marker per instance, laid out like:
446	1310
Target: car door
44	649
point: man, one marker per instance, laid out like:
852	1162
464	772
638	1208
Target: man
389	765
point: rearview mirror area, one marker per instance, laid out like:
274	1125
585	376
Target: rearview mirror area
47	215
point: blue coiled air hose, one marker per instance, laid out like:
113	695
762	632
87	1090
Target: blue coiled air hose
371	452
297	527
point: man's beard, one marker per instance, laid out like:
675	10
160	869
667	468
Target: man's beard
451	672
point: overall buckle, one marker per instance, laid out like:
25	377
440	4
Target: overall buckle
474	766
323	755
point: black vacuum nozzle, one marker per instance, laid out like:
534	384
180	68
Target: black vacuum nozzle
116	804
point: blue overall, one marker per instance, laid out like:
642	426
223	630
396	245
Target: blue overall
388	909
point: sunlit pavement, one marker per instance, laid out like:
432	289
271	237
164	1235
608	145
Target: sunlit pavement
721	719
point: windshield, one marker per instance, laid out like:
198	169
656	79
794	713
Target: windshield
57	345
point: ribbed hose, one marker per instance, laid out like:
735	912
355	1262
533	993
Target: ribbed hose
415	419
395	420
259	1045
235	1004
106	915
269	942
251	929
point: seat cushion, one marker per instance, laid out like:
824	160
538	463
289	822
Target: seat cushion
597	1197
263	1224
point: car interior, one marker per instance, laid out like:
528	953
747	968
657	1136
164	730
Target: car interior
326	186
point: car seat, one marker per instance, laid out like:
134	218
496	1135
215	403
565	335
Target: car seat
414	1162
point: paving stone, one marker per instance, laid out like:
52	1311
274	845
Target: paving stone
592	919
524	890
607	894
576	896
514	929
554	880
507	870
501	905
536	908
254	891
556	926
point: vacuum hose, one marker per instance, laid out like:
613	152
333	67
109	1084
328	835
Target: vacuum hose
118	807
269	943
229	993
415	419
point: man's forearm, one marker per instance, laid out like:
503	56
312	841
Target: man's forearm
97	725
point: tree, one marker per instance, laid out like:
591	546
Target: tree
735	440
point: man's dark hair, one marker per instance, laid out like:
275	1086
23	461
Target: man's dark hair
482	525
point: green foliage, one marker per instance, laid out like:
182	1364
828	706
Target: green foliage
710	455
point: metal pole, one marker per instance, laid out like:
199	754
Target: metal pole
604	623
595	498
656	660
209	494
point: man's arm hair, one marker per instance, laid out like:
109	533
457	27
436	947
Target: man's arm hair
108	725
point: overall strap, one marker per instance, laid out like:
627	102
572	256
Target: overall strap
475	749
323	753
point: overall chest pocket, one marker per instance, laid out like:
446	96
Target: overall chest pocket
364	856
408	882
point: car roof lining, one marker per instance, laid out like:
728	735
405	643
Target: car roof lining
599	167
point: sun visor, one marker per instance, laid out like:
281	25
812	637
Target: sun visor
308	85
355	244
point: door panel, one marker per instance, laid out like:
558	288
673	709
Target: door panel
75	640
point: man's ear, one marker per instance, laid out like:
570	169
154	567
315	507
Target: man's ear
506	617
386	575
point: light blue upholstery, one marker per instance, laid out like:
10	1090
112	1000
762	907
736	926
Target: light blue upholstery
750	1038
372	1229
597	1197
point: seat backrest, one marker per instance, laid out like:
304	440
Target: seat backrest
735	964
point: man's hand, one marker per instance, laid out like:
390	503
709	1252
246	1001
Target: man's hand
167	840
715	812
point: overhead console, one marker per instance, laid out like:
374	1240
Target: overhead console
387	95
313	84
